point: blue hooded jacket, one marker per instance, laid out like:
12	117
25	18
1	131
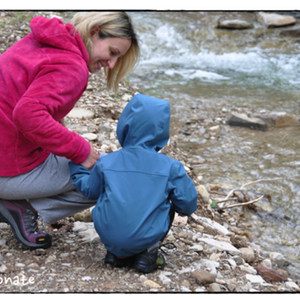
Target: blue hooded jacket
134	185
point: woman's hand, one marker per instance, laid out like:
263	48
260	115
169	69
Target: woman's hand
91	159
62	122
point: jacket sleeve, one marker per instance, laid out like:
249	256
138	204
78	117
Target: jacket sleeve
89	183
49	98
183	193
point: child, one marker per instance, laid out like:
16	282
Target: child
138	189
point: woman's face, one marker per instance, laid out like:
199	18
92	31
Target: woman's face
106	51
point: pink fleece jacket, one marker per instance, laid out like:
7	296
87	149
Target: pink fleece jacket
42	77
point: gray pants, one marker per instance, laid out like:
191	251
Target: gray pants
48	188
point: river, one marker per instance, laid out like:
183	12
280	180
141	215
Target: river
190	63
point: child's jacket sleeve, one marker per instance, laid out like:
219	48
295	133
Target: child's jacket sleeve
89	183
183	193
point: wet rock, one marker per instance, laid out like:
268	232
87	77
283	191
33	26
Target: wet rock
275	20
234	24
293	32
242	120
278	119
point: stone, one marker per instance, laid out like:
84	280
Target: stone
164	279
270	275
3	269
275	20
293	286
214	226
234	24
89	236
203	193
84	216
278	119
266	263
293	32
247	254
203	277
81	113
222	246
279	259
90	136
179	220
209	266
238	241
151	284
254	278
214	287
248	269
242	120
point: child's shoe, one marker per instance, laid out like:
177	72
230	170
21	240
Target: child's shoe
115	261
22	218
148	262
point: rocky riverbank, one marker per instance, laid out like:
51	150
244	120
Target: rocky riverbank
214	251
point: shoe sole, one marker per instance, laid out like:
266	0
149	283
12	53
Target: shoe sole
6	217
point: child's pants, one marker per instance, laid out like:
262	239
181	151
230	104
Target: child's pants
49	189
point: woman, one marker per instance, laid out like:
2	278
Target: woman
42	77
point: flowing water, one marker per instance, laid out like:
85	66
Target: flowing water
190	63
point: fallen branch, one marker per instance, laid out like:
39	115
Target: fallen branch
243	186
244	203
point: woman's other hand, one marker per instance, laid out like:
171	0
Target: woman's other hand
91	159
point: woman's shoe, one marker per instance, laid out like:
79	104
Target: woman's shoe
22	218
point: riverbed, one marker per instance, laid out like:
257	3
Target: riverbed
205	73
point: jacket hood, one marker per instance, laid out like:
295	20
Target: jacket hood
145	122
55	33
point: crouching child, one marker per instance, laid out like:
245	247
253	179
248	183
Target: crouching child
138	189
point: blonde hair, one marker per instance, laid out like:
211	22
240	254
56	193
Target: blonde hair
111	24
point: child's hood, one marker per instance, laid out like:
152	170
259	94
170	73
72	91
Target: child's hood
145	122
55	33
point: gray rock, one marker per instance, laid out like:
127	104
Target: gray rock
242	120
81	113
222	246
247	254
234	24
293	32
203	277
278	119
279	259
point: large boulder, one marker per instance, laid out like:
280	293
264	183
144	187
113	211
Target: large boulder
242	120
275	20
278	119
